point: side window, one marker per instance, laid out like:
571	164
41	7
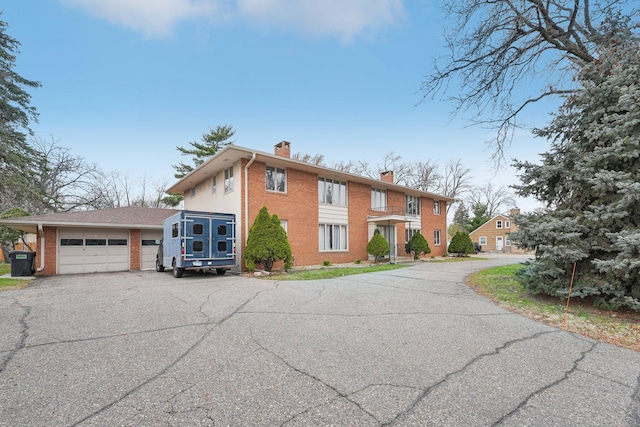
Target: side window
174	230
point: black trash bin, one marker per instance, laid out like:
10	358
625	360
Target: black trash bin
22	263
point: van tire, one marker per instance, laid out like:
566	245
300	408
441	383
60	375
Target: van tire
159	266
177	272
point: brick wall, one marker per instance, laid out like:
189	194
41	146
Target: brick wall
51	250
298	205
134	250
431	222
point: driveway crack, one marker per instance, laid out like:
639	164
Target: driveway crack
170	365
341	394
446	378
548	386
23	334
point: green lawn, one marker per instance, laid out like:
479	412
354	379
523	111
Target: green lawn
10	283
331	272
501	285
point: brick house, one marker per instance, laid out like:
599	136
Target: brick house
328	214
493	235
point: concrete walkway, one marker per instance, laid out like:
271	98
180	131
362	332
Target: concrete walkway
409	347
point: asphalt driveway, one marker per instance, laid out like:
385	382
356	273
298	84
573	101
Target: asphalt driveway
406	347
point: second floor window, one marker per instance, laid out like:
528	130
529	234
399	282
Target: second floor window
436	207
378	199
228	180
214	184
499	224
276	179
332	192
412	205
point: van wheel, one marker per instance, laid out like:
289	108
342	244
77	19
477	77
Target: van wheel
177	272
221	271
159	267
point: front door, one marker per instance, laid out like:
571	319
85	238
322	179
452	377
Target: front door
499	243
389	233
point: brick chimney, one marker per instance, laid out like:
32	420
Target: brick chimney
283	149
387	176
514	211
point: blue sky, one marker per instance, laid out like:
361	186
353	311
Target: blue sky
126	81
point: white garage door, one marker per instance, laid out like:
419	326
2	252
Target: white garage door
150	240
92	250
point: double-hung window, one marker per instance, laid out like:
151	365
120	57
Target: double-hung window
409	233
412	205
228	180
436	207
214	184
331	192
378	199
332	237
276	179
436	237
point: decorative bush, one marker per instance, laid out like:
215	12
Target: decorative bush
378	246
267	242
461	244
417	245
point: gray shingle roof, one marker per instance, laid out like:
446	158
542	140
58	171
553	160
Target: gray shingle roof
127	217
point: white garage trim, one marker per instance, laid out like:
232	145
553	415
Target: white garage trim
92	250
149	242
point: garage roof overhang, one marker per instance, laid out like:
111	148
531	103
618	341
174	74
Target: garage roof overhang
31	227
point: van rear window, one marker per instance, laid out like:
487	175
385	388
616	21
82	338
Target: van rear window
198	229
198	245
222	230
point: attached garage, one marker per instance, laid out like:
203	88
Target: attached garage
92	250
118	239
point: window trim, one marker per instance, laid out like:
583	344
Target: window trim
499	224
324	226
228	180
416	206
379	194
214	184
507	224
436	207
438	241
480	241
339	199
276	170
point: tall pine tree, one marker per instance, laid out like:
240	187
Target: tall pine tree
590	184
16	113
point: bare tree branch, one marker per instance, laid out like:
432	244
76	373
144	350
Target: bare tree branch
498	49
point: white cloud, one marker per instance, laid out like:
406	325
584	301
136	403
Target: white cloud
153	18
338	18
344	18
